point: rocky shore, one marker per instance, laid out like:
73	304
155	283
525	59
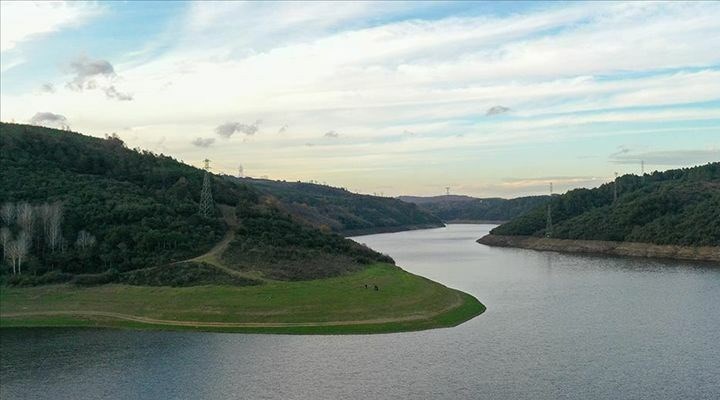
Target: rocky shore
691	253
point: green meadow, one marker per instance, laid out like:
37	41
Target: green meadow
403	302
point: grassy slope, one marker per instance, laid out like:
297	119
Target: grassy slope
336	305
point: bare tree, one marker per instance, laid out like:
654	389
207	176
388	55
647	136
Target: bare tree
52	221
25	218
62	244
7	213
11	253
85	240
5	238
22	245
44	212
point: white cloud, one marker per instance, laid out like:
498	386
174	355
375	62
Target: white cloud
24	20
678	157
203	142
48	119
489	61
318	67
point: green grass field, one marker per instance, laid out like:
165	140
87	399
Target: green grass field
404	302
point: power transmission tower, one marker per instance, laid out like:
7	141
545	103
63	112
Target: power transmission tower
447	190
548	226
615	189
642	171
241	171
206	201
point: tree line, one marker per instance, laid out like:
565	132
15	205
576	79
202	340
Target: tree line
679	206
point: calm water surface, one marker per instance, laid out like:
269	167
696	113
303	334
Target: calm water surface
557	327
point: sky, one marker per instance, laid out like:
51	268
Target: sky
489	99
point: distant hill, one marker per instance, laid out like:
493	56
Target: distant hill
457	208
122	210
421	200
674	207
341	211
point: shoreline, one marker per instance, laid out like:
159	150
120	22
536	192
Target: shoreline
476	221
387	229
468	307
340	305
626	249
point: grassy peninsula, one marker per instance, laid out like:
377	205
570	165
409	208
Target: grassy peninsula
96	234
404	302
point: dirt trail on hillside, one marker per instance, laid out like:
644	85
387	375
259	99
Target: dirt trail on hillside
232	223
212	257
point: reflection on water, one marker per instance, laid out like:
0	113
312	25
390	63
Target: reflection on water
557	326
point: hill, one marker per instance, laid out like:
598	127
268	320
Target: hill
456	208
679	207
138	210
421	200
111	236
338	210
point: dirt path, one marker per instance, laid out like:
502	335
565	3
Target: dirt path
210	324
232	223
212	257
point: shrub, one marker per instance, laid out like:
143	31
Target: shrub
35	280
109	276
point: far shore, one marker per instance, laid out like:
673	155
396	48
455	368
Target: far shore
388	229
632	249
476	221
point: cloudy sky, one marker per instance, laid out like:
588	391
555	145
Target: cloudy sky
491	99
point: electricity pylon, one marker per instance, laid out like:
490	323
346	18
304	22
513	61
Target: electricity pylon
642	172
206	201
615	188
548	224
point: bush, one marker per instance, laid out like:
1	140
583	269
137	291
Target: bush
35	280
109	276
184	274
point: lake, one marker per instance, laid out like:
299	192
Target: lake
557	326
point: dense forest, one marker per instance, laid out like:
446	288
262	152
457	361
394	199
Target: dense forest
90	209
341	211
452	208
680	206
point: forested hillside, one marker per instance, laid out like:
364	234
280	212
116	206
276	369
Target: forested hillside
341	211
73	204
465	208
680	206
